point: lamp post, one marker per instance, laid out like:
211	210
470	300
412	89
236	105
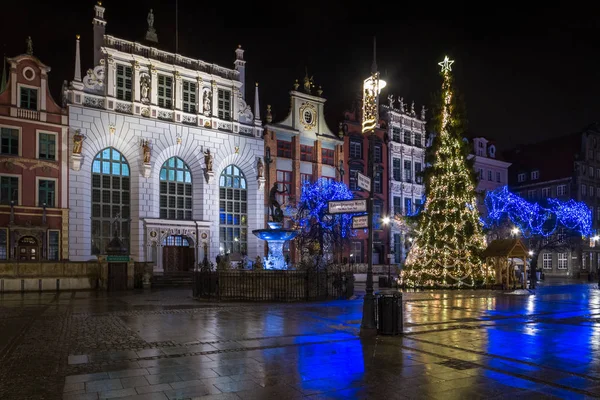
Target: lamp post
386	221
370	117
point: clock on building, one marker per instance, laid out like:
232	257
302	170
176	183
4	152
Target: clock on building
308	116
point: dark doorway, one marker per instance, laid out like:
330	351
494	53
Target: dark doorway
117	276
177	254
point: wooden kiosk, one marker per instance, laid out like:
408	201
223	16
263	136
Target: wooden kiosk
500	254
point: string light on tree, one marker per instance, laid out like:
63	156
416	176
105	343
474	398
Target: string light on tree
449	237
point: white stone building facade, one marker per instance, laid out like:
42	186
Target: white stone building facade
407	142
149	120
491	172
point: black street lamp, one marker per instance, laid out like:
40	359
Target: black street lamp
371	88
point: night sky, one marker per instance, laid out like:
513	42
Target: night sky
526	74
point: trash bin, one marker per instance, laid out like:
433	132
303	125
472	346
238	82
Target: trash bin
389	314
383	281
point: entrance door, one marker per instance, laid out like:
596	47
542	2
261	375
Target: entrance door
177	254
117	276
28	249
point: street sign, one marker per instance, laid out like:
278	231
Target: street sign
347	206
364	182
117	258
360	221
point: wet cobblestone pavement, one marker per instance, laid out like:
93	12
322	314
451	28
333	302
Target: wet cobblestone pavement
164	345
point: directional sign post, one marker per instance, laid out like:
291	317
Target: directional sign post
364	182
347	206
360	221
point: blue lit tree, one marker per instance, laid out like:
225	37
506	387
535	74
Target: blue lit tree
551	224
320	230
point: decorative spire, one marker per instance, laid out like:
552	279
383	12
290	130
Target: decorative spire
269	116
77	76
256	104
239	53
374	65
320	91
29	46
296	85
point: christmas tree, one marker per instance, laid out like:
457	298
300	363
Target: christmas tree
449	236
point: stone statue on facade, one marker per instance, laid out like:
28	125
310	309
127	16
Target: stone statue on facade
151	34
207	102
423	112
77	142
274	206
150	20
260	168
307	82
208	160
29	46
391	101
147	151
401	106
145	88
412	109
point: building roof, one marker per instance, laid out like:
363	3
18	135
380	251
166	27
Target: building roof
554	158
505	248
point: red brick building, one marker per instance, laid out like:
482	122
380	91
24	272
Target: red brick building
300	148
33	164
356	153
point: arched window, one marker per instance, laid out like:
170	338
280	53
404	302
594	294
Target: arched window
233	211
110	199
175	190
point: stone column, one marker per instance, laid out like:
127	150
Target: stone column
110	75
154	85
136	82
235	104
215	100
178	91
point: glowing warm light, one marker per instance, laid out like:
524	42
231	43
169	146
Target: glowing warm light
596	238
515	231
530	253
449	236
386	220
371	88
446	64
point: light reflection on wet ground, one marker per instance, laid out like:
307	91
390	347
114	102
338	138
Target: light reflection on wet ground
165	345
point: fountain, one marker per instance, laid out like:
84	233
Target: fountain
276	235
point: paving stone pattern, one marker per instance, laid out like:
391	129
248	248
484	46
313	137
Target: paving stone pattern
164	345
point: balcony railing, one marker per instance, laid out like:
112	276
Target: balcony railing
28	114
169	58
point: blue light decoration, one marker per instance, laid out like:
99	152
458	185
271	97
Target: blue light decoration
534	219
313	208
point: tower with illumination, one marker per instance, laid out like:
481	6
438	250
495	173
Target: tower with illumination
449	237
371	88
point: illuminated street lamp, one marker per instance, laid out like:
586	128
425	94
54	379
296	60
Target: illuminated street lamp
371	88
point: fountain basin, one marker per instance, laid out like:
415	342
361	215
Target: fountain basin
275	237
275	234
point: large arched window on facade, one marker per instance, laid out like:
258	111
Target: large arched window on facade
110	199
175	190
233	211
